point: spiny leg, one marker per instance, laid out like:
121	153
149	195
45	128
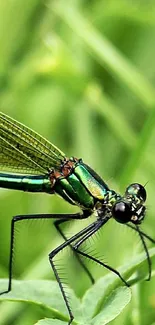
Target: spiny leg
103	264
95	225
28	217
142	235
147	253
83	239
56	224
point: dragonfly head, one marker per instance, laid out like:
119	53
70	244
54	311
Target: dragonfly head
130	208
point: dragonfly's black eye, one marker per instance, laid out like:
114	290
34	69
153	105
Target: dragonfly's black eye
137	190
122	212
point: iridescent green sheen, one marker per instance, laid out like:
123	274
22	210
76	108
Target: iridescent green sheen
60	188
89	179
25	183
75	190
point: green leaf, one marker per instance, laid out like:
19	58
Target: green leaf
43	293
101	303
115	303
49	321
94	299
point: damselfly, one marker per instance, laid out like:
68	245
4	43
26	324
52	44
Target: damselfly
28	162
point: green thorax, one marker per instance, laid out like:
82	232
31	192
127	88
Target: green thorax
82	186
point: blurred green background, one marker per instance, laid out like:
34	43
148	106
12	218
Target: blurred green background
82	74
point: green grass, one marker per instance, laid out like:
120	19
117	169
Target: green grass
81	73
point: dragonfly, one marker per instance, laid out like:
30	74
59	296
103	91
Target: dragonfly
29	162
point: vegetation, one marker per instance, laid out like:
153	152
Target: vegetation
81	73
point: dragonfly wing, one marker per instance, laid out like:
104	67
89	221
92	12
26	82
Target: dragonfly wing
11	160
24	151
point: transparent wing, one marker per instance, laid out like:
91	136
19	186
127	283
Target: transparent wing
24	151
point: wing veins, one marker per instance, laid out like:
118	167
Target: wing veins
20	154
21	130
29	145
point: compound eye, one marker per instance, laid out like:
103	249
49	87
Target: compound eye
137	190
122	212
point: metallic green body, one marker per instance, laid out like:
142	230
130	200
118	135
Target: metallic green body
25	183
75	191
80	188
83	187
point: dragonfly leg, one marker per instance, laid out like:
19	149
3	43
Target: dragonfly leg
28	217
11	257
79	242
147	254
68	242
56	224
142	235
141	232
103	264
94	225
